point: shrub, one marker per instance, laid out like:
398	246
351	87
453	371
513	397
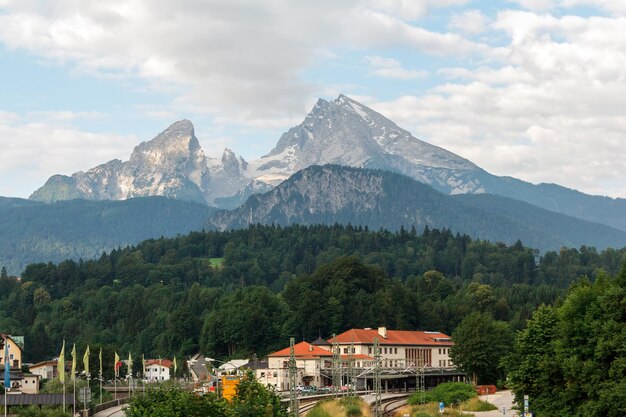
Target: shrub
449	393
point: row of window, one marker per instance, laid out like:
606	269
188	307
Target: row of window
384	351
444	351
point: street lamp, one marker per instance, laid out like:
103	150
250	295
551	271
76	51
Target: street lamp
210	360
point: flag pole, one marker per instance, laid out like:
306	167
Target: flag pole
7	373
100	376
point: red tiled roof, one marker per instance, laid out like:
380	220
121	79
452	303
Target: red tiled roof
394	337
357	356
44	363
164	362
303	350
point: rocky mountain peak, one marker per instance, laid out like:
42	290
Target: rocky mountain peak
346	132
177	141
233	164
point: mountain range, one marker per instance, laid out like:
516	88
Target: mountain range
381	199
33	232
342	132
344	163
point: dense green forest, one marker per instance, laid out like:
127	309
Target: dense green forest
31	231
571	358
246	292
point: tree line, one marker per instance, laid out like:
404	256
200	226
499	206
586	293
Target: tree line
244	293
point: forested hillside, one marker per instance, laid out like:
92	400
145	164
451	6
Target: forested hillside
247	291
32	231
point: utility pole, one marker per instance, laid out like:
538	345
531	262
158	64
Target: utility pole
336	366
351	372
378	410
293	370
420	378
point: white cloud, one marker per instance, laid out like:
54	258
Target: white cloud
38	149
536	5
617	7
393	69
550	109
236	60
413	9
471	22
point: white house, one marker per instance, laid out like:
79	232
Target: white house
45	370
157	370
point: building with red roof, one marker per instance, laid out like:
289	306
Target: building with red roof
158	369
399	348
401	353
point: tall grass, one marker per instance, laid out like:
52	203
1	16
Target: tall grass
475	404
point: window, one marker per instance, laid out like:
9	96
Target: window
395	350
385	350
369	350
345	350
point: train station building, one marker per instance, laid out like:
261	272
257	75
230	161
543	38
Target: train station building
404	355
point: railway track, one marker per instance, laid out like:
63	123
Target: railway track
392	405
306	408
389	405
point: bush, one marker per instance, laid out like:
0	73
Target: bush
352	407
449	393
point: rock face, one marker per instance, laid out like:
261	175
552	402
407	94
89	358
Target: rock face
332	194
172	164
346	132
342	132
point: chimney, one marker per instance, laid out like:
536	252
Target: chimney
310	347
383	332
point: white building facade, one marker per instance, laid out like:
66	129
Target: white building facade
157	370
402	354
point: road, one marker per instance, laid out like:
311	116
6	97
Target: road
499	399
117	411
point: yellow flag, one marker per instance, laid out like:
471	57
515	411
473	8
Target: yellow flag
73	376
143	365
86	361
175	366
61	364
117	359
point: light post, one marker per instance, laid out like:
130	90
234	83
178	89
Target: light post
210	360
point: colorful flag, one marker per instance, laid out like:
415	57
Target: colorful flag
175	366
61	364
143	365
130	365
117	359
100	357
73	376
7	364
86	361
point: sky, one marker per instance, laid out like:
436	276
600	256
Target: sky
533	89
